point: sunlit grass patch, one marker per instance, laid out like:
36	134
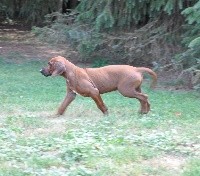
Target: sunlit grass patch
83	141
24	122
9	170
128	154
192	167
44	162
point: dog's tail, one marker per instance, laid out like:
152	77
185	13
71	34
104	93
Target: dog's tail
152	73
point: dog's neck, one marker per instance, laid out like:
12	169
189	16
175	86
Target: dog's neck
70	70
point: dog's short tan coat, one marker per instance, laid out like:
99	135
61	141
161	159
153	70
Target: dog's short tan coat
91	82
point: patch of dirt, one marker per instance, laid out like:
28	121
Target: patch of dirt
169	162
18	44
58	128
20	51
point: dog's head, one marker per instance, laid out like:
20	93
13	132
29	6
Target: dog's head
55	67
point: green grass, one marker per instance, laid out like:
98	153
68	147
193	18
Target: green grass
83	141
192	168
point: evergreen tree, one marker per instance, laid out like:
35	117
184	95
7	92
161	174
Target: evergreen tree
107	14
31	11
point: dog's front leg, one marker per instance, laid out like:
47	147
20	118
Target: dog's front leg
94	94
68	99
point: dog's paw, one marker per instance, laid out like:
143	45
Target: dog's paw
106	113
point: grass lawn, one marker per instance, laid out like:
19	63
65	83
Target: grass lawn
83	142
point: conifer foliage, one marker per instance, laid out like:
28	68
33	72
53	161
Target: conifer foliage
191	37
31	11
106	14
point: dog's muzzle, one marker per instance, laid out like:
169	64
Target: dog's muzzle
44	72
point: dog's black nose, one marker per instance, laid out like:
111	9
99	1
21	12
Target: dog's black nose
43	72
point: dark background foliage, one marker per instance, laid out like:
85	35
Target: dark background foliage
163	34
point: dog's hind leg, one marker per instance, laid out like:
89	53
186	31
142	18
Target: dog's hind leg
147	104
132	93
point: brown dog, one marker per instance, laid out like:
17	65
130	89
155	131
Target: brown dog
91	82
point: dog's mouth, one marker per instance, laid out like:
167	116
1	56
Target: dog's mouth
42	71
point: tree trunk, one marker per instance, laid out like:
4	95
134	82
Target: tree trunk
60	4
72	4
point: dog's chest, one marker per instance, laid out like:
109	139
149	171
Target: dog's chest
72	85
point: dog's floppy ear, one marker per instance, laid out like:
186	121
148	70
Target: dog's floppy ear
59	68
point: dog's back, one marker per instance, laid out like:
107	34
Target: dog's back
107	78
